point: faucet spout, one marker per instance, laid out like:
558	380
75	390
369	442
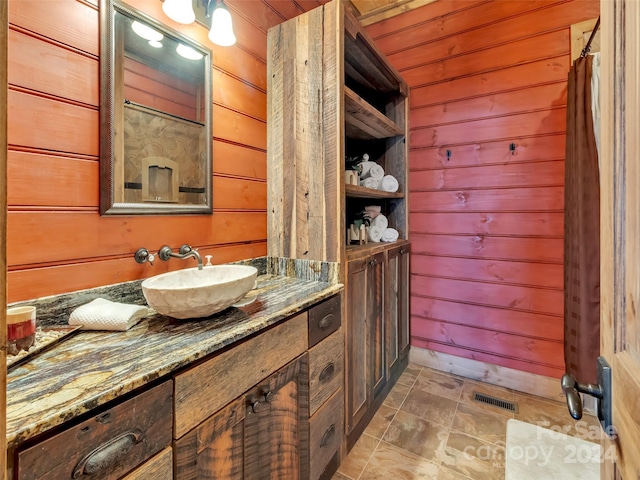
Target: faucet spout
186	251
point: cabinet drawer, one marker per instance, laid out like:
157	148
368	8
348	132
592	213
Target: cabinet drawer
204	389
324	319
326	369
325	434
106	446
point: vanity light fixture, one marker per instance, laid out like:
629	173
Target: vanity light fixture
155	44
188	52
221	32
180	11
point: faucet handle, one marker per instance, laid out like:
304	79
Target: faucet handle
184	249
142	255
208	264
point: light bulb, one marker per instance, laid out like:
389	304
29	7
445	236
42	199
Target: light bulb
180	11
221	32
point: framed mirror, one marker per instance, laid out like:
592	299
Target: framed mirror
155	112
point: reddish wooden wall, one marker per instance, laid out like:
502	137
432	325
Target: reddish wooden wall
57	241
487	225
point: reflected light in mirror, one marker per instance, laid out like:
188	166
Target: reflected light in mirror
188	52
180	11
155	44
221	32
146	32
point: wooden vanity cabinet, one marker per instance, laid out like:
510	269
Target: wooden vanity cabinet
270	407
260	435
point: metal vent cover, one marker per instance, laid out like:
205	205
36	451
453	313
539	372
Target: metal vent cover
496	402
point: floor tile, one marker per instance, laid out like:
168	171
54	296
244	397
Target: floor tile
417	436
431	407
397	395
488	426
354	464
445	474
341	476
380	421
439	383
390	462
470	387
474	458
409	375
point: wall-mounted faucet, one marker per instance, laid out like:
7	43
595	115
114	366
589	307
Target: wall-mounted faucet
186	251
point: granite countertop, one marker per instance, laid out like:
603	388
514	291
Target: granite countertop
92	368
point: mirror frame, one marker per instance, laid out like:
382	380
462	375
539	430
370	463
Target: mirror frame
111	134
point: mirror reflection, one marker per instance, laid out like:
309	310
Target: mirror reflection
156	155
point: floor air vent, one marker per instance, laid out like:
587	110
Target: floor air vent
496	402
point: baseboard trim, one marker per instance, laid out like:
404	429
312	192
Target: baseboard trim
546	387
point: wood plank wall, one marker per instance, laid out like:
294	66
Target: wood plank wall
57	241
486	223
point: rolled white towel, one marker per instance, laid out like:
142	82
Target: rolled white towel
371	169
389	184
102	314
375	233
370	182
380	221
390	235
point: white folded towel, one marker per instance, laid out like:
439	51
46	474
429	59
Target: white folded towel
371	169
389	184
389	235
375	233
370	182
102	314
380	221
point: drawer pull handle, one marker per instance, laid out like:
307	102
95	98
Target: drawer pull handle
373	262
328	435
107	454
326	321
327	372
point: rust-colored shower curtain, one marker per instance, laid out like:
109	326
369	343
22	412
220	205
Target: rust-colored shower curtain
581	230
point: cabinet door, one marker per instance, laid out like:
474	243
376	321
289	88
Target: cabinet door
263	434
365	335
358	378
392	308
404	319
376	318
277	427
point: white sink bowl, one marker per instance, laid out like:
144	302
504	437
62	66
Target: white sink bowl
193	293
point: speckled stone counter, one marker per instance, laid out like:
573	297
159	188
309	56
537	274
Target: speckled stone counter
92	368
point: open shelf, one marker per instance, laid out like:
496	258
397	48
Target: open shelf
365	64
371	248
356	191
364	122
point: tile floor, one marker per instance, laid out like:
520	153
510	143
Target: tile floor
430	428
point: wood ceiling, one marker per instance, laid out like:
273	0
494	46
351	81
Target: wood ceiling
372	11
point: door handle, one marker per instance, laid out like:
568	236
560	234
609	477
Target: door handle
601	391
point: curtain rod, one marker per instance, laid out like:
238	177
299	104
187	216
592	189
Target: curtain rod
587	47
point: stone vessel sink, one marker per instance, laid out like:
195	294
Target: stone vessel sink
193	293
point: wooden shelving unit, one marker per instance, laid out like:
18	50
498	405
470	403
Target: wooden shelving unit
342	100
